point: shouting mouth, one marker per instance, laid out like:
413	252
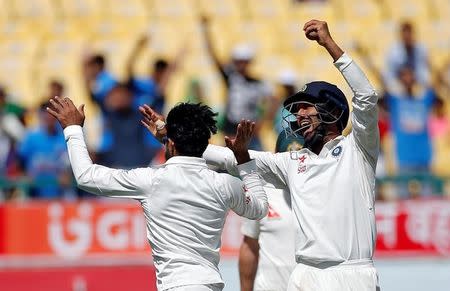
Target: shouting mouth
306	128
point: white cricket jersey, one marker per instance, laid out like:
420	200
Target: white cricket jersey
333	193
184	203
275	234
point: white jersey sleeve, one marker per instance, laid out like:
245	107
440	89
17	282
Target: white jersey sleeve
250	228
102	180
272	167
247	199
364	115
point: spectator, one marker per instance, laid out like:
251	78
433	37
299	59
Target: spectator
151	89
247	96
123	142
12	131
7	107
409	115
44	158
409	107
97	79
56	88
407	52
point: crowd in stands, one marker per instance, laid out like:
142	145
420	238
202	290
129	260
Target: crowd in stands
413	117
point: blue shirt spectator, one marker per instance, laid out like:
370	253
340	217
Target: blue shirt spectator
104	82
124	144
98	81
146	91
409	120
44	157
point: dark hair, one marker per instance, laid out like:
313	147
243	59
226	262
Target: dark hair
57	84
190	127
160	65
98	60
406	26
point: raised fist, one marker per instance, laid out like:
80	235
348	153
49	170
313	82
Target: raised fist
317	30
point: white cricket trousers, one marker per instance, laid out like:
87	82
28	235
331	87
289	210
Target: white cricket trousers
208	287
355	275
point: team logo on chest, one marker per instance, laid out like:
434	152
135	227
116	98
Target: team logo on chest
301	164
336	152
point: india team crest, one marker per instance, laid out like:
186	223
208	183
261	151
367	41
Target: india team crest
336	152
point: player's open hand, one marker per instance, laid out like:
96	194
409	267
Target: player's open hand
66	112
317	30
153	121
239	144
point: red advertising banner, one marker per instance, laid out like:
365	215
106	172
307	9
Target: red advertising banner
93	229
413	228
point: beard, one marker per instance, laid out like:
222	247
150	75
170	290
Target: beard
315	138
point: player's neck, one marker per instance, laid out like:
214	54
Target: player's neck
317	148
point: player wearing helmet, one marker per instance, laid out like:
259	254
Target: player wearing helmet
320	110
331	180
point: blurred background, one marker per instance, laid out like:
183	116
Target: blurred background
241	57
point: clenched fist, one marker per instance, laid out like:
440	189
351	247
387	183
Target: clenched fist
317	30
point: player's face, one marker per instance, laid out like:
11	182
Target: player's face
307	119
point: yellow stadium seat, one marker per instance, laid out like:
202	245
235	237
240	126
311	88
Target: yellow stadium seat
405	9
267	66
60	59
166	40
268	10
229	10
175	10
6	13
360	13
262	36
440	8
16	60
303	12
35	10
127	9
386	33
82	9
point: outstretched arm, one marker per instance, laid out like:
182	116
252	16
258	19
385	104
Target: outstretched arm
137	49
94	178
250	199
271	166
209	47
172	68
365	115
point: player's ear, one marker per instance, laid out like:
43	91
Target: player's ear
171	147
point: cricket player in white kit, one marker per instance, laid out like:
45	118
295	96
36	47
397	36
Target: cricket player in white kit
267	253
184	202
331	180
